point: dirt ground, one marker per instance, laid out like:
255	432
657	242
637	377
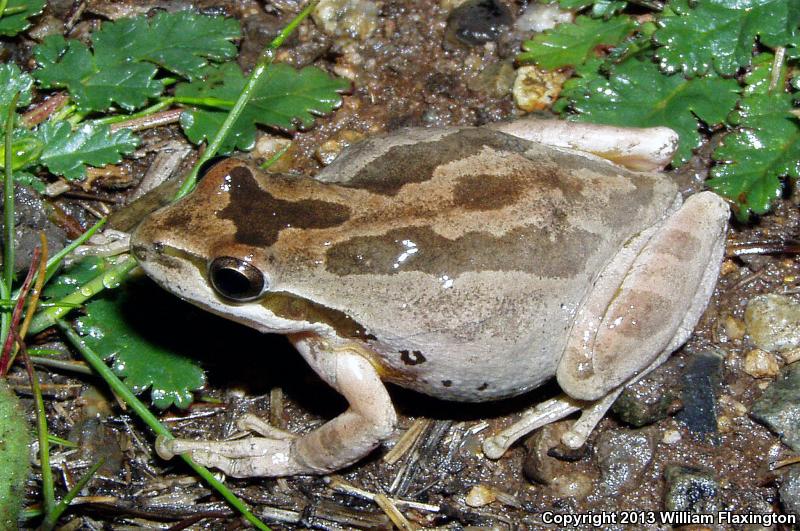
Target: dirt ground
406	74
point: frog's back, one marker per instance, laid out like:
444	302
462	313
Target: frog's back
464	253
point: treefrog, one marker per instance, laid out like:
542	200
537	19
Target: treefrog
469	264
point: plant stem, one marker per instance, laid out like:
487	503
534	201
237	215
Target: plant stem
264	61
162	104
107	279
8	197
8	219
48	489
54	514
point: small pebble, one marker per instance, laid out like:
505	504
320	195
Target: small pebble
536	89
623	456
773	322
352	18
539	17
761	364
331	148
691	489
477	22
574	485
480	495
779	406
547	457
734	328
790	490
671	436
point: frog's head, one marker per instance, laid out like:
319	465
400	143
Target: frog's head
216	247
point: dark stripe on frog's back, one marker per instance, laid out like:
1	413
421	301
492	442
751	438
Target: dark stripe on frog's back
552	254
402	164
259	217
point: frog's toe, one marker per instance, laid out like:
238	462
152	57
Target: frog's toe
250	422
164	448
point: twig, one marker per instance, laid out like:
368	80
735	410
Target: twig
44	110
339	485
147	122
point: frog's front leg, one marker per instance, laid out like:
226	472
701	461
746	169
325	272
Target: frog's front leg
369	420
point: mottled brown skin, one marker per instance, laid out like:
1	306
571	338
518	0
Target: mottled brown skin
452	253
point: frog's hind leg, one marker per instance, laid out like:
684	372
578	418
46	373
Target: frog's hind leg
618	336
625	331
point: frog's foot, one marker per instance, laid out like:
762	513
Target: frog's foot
253	456
545	413
548	412
342	441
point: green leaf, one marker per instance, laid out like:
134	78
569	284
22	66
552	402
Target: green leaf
722	33
66	152
764	148
754	158
121	67
75	275
28	179
607	8
16	15
13	80
285	98
180	42
570	44
93	86
121	326
638	94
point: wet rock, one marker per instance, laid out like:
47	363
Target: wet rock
691	489
779	407
761	364
701	381
327	152
790	491
573	485
481	495
652	398
477	22
547	457
30	217
536	89
540	17
623	456
733	328
773	322
352	18
495	80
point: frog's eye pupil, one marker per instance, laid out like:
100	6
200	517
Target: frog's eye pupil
236	279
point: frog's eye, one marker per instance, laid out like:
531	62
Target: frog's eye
236	279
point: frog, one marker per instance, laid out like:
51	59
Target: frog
469	264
